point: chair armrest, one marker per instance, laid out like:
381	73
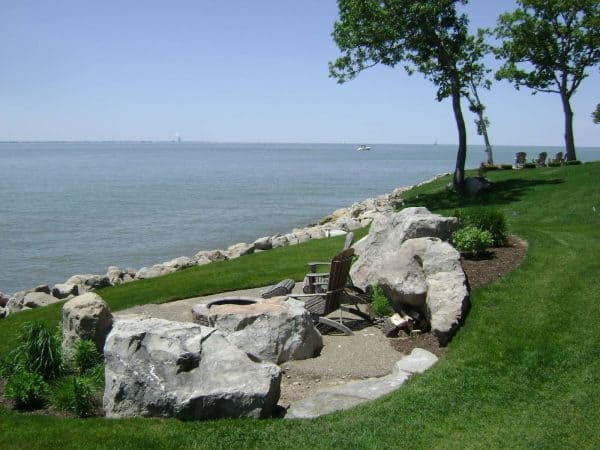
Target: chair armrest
316	294
317	275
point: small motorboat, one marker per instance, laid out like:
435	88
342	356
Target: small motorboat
363	148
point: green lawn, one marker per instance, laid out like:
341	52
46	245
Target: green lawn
522	373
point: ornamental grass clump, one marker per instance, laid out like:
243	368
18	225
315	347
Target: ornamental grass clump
39	351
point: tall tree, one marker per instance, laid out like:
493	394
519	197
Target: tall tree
476	73
427	36
548	45
596	114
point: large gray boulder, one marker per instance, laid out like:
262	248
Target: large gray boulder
16	303
85	317
241	249
156	270
159	368
425	275
38	299
275	329
208	256
116	275
89	281
263	243
387	233
179	263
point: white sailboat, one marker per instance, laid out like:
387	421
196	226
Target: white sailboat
363	148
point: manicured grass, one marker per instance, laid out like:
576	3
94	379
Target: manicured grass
256	270
522	373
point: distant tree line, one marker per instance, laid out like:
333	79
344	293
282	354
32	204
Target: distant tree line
545	45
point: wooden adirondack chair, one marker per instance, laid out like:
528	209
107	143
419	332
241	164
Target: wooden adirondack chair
321	304
520	159
314	282
558	159
541	160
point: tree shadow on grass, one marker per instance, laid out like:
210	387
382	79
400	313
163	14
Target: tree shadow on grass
501	193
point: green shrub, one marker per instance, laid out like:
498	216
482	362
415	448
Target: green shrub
86	356
488	219
472	240
529	165
27	389
554	164
75	395
96	375
573	163
506	166
381	305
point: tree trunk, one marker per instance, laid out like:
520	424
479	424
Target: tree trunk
478	107
569	138
486	139
459	172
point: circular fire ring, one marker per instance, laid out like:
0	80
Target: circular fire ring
201	311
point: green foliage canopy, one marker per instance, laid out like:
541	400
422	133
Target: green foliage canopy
547	46
427	36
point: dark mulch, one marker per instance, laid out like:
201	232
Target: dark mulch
494	266
479	271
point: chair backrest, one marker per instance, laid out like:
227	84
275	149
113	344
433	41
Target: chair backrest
520	157
558	157
338	275
542	157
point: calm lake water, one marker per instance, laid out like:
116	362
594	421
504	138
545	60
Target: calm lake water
68	208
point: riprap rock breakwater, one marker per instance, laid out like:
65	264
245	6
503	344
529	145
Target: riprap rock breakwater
337	223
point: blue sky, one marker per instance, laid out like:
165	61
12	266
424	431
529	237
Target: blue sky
235	71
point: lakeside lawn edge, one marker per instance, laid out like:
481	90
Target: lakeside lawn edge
520	373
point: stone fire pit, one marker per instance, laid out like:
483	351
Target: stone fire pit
278	329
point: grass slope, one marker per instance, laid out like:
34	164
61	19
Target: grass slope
522	373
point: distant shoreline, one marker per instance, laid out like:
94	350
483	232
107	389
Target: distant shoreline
183	142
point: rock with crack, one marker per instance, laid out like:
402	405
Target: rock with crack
159	368
275	329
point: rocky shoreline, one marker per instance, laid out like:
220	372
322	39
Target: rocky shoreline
337	223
